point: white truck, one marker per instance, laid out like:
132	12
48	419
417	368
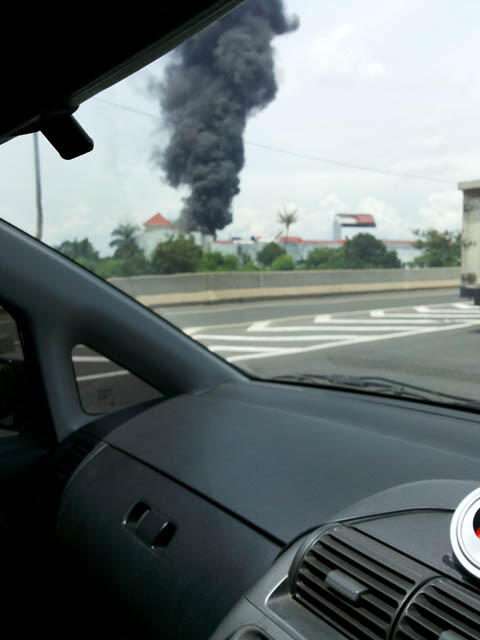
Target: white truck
470	271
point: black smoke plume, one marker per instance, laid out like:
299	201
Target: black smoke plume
218	78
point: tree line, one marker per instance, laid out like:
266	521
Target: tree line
180	254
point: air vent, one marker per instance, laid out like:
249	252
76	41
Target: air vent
441	610
355	583
71	459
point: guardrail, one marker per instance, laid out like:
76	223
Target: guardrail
191	288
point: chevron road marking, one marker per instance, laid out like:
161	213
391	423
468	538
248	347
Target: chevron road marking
270	338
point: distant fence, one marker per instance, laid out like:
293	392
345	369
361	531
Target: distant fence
187	288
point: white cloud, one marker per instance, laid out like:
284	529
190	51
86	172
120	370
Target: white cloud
431	143
314	222
372	69
442	211
343	52
390	224
332	204
248	221
341	32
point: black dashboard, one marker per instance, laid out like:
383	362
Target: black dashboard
260	510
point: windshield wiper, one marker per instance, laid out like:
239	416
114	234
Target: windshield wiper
373	383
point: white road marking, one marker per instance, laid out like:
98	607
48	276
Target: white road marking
356	340
449	315
462	305
97	376
231	347
259	326
236	338
190	331
374	321
339	343
349	325
329	332
458	312
90	359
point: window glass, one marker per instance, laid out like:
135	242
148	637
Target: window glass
10	346
103	385
11	376
288	155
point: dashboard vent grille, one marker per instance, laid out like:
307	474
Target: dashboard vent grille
441	609
355	583
71	459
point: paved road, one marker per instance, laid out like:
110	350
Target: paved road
206	315
430	339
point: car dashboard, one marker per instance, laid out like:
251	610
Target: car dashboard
261	511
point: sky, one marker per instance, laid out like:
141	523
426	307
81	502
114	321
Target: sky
392	86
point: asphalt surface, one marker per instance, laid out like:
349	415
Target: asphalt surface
205	315
430	339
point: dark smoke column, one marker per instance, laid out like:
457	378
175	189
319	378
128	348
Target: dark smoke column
220	77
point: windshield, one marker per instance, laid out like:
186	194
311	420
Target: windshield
295	188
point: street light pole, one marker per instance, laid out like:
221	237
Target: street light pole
38	187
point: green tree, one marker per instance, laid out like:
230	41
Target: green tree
211	261
320	258
249	266
283	263
136	264
128	251
78	249
123	240
176	255
287	218
216	261
110	268
230	263
439	248
269	252
364	251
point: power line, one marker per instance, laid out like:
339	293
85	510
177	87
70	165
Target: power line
347	165
295	154
125	108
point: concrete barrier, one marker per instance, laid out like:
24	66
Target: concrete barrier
191	288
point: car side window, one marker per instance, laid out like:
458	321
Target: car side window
10	346
104	385
11	376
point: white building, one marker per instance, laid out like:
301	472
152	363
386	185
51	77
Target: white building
352	220
299	248
156	229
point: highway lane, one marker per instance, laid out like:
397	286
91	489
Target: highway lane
202	315
429	339
434	345
426	338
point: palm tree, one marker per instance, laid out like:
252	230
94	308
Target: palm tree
124	239
287	218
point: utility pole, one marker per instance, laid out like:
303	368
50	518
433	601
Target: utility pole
38	187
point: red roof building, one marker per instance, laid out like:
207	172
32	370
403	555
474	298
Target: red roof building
356	219
283	239
159	222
